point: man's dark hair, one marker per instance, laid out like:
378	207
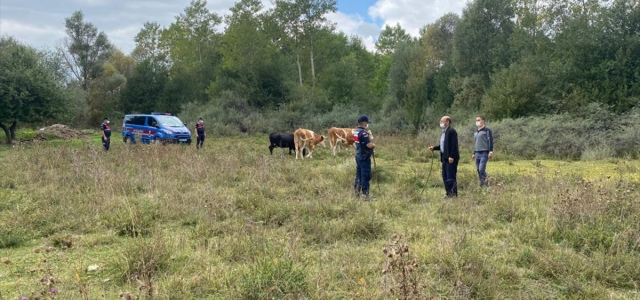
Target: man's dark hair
482	118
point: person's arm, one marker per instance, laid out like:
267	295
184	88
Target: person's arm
102	128
490	137
196	130
453	142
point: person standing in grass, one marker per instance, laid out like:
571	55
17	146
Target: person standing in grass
449	156
483	149
364	151
200	134
105	131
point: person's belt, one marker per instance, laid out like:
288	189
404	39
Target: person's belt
482	151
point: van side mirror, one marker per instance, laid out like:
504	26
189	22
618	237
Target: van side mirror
185	124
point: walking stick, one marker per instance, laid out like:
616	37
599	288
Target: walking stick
428	176
374	171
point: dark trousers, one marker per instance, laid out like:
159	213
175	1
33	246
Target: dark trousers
363	176
199	141
449	172
106	143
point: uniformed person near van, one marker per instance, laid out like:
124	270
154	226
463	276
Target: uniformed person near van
364	151
200	134
105	130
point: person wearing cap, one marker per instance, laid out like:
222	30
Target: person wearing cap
105	130
449	156
200	134
364	151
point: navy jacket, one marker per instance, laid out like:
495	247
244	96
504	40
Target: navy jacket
450	146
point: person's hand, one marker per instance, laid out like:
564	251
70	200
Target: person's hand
450	160
430	148
490	155
473	156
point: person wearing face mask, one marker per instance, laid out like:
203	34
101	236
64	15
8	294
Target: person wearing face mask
483	149
105	130
364	151
449	156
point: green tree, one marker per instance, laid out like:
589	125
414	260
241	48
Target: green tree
481	39
29	91
148	43
248	57
193	46
302	21
86	49
390	38
145	90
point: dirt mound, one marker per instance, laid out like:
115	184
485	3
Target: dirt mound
57	132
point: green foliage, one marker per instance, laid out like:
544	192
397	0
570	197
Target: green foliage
86	49
390	38
145	90
515	92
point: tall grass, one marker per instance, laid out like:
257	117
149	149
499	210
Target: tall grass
233	222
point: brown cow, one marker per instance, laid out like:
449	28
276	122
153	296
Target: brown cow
343	136
305	138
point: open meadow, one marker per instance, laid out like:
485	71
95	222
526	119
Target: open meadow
233	222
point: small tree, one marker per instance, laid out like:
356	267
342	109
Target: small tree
29	90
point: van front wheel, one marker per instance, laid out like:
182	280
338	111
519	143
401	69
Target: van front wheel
128	141
157	141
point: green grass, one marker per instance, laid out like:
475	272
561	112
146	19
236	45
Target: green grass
233	222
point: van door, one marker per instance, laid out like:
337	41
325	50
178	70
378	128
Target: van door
152	127
138	123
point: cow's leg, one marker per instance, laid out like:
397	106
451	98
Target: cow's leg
271	148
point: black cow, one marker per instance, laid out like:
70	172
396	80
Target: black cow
281	140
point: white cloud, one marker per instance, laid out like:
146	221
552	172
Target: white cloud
37	36
355	25
414	14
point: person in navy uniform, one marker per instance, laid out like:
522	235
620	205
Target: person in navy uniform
105	130
364	151
449	156
200	134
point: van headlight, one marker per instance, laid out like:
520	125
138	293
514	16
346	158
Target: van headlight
165	131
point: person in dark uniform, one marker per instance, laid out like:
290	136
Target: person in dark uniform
200	134
364	151
105	130
449	156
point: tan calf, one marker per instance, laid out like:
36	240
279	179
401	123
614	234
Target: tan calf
343	136
305	138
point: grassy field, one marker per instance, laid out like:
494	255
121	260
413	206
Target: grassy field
233	222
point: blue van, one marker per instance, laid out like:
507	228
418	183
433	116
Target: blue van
154	128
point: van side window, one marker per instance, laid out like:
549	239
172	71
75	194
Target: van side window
139	120
153	122
128	119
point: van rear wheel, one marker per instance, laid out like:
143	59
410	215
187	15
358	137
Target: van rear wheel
128	141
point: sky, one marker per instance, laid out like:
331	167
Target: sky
41	23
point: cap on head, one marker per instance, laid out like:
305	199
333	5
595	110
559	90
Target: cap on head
200	119
363	118
106	118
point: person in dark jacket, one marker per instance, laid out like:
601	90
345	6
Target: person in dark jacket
200	133
449	156
105	130
364	151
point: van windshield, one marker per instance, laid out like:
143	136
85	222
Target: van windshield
170	121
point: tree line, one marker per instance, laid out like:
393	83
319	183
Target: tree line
504	58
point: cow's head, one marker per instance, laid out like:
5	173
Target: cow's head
320	141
